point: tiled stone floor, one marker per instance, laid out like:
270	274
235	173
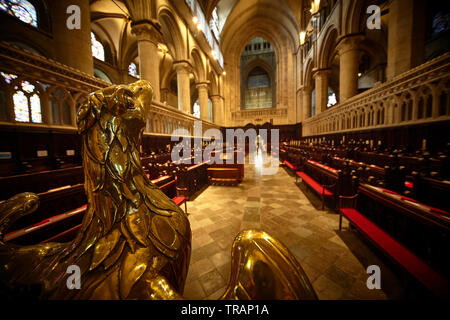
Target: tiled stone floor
335	261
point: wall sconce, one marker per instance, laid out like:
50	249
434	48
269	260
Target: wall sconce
302	37
315	6
195	20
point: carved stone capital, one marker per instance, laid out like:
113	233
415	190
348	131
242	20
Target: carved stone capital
349	43
321	73
182	66
216	98
147	30
202	85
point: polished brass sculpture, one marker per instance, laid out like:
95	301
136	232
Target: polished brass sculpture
134	242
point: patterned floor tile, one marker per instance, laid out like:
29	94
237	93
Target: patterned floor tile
334	261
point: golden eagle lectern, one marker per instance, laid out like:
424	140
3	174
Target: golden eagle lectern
134	242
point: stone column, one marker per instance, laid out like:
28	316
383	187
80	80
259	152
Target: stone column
202	88
184	88
321	78
217	109
72	47
349	55
306	93
148	36
406	36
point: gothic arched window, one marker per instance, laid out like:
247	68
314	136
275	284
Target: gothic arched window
21	9
196	110
132	70
97	48
27	103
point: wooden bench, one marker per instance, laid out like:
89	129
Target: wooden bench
42	227
224	176
318	178
178	195
402	255
431	191
38	182
52	203
290	165
46	229
323	191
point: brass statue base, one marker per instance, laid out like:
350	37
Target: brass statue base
134	243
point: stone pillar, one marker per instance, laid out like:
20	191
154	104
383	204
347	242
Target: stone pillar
321	78
217	109
406	36
202	88
184	87
148	36
72	47
349	55
306	93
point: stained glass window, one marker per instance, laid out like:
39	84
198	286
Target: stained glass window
21	9
8	77
132	70
35	102
27	87
27	104
331	100
21	107
196	111
97	48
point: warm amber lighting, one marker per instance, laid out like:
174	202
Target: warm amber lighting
315	5
224	73
302	37
195	20
199	27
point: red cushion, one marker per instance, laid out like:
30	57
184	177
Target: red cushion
409	184
314	184
290	165
179	200
425	274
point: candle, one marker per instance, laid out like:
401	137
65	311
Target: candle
424	144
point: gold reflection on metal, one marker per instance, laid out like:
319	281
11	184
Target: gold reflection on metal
134	242
263	269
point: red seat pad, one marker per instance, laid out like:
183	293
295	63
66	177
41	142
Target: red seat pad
409	184
314	184
421	271
290	165
179	200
